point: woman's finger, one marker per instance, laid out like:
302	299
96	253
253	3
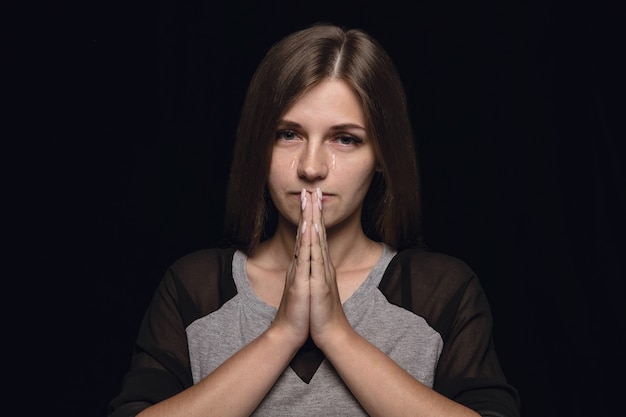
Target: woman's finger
318	242
293	311
303	242
301	223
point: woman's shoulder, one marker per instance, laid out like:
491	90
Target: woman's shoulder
432	264
430	284
204	259
210	267
203	278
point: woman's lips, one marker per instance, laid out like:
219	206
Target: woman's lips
325	197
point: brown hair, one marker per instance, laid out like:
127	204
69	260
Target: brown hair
291	67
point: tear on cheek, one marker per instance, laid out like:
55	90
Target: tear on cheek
294	163
333	161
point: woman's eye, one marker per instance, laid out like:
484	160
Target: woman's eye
286	135
348	140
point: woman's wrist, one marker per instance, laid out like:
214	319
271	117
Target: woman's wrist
282	338
336	337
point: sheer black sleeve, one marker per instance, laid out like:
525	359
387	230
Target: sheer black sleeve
192	287
448	295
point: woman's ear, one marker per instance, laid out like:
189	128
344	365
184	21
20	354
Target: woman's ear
379	166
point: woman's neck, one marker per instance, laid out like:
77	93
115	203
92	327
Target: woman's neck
348	246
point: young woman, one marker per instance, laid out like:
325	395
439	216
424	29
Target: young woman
324	301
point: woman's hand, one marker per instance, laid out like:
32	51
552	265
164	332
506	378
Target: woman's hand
293	313
310	303
327	315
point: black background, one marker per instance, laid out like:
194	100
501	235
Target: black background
515	109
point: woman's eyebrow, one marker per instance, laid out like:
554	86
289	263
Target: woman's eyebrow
347	126
343	126
288	124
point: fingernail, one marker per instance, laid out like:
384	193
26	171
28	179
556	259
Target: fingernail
303	226
303	198
319	198
317	228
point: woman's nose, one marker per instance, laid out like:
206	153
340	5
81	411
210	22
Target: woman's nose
313	163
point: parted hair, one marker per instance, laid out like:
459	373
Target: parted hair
391	210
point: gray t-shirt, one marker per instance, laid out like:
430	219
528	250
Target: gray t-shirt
404	336
428	312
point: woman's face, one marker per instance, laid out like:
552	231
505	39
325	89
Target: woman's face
321	141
